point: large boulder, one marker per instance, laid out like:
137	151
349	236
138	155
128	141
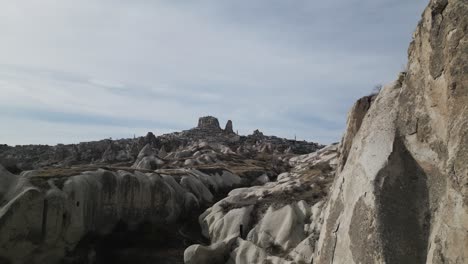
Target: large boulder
216	253
148	159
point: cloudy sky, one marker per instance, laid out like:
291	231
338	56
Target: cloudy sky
74	71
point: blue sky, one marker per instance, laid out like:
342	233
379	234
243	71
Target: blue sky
74	71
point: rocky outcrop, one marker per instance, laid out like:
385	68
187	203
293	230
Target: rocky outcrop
126	151
148	159
402	194
115	154
107	151
257	133
277	222
44	218
229	129
355	117
208	123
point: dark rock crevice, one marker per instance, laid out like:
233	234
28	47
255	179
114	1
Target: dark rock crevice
162	243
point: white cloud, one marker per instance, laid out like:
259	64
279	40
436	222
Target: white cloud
262	64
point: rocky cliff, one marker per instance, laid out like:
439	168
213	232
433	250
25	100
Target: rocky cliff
401	196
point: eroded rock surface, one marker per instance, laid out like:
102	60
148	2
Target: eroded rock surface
41	220
208	123
278	222
401	196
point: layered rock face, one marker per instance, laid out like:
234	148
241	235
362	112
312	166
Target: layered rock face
402	194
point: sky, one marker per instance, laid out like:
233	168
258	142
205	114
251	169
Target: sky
73	71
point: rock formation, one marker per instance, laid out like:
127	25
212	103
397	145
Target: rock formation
148	159
280	220
125	151
403	188
355	117
208	123
229	129
42	220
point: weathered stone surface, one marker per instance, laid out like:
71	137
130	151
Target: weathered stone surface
280	220
148	159
401	196
355	117
216	253
40	223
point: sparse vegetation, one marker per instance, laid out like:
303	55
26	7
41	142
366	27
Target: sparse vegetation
377	88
